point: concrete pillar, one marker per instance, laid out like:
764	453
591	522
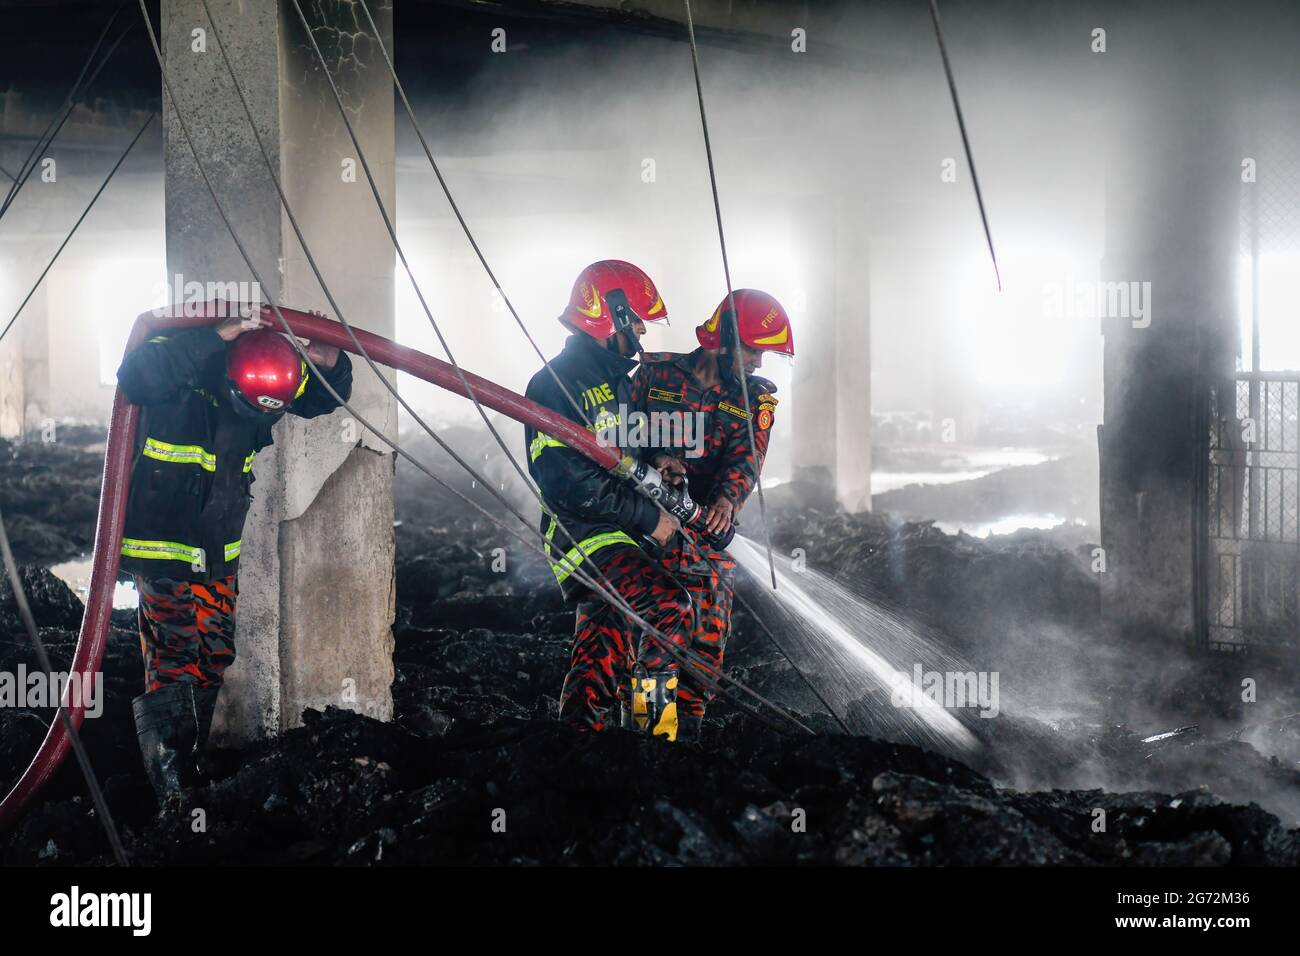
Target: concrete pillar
832	379
852	361
25	351
12	388
813	382
13	381
316	586
1171	218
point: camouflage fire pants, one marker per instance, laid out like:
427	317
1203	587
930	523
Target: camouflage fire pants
708	575
604	648
187	630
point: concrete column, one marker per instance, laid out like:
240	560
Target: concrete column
13	383
12	388
316	585
832	433
814	380
25	351
1171	220
852	361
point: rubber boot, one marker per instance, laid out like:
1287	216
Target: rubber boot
205	704
166	728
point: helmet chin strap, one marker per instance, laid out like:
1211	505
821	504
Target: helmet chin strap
244	408
624	320
729	350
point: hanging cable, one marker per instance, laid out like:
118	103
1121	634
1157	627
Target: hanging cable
56	122
681	655
428	312
43	658
80	219
329	296
311	259
455	208
401	254
735	338
731	301
392	233
469	236
460	218
965	140
789	660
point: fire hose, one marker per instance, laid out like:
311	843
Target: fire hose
115	489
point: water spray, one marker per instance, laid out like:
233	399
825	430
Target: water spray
860	650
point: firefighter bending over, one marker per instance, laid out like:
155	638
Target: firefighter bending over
210	397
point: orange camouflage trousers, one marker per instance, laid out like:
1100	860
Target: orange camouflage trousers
711	594
187	630
606	643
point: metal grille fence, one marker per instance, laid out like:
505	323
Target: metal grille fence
1252	528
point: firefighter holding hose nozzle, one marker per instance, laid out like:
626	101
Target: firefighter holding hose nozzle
617	675
210	397
712	453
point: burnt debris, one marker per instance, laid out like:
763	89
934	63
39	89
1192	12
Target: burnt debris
474	745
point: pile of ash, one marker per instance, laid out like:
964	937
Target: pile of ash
474	769
49	493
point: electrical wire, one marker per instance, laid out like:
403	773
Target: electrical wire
43	657
460	218
56	122
680	654
374	188
965	140
731	300
80	219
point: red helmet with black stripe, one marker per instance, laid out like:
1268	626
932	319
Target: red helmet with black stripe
605	292
761	321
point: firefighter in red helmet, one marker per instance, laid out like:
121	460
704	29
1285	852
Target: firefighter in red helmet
597	524
696	404
210	397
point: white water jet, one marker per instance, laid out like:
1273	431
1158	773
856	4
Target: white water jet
860	656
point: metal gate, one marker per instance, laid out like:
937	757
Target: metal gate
1250	575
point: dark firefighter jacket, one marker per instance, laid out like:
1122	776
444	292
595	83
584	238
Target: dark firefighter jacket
712	439
193	464
599	511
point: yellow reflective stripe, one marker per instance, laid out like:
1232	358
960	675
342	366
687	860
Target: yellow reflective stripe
180	454
161	550
157	338
542	442
171	550
248	462
550	533
587	546
302	386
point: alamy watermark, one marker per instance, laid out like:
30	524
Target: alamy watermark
1093	299
657	429
951	690
38	689
235	299
133	911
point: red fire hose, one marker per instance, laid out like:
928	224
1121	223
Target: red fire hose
117	479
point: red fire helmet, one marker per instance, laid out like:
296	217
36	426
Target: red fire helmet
265	370
589	310
761	321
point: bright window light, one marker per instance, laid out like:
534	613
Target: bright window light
1279	324
123	288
